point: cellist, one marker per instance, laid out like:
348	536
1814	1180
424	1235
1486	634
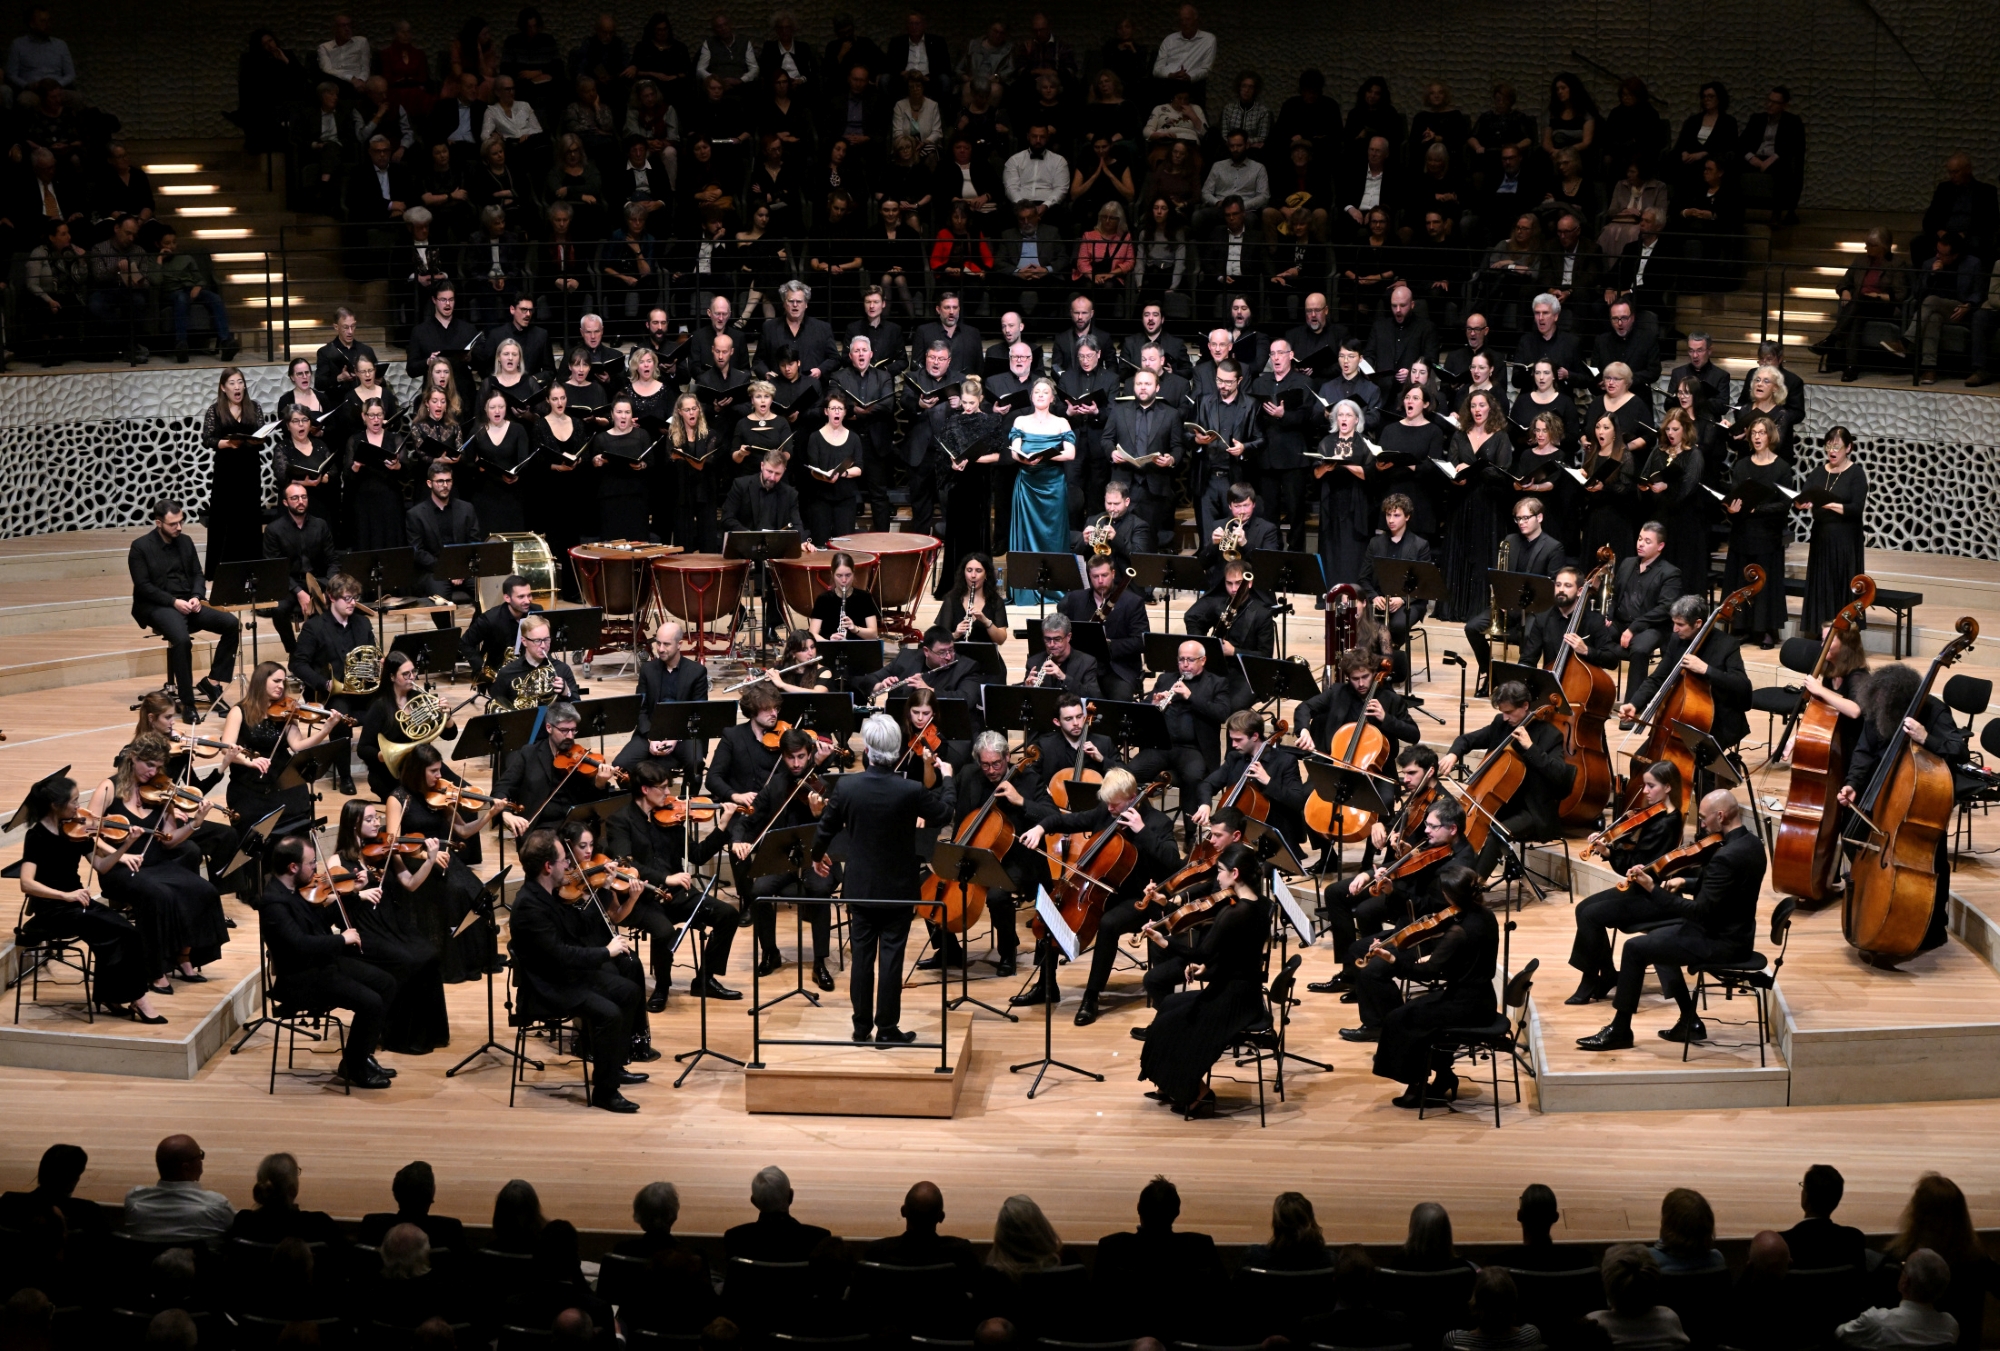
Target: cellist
1058	750
1648	831
1023	806
1416	777
1272	769
1720	662
1885	706
1153	835
1408	898
1531	813
1348	699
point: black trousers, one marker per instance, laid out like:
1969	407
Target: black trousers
660	919
1185	761
117	949
612	1007
686	757
813	887
1120	918
1404	1048
1639	657
1476	629
880	935
1285	496
179	630
1520	828
1376	993
923	495
877	469
1667	950
1000	907
347	983
1598	915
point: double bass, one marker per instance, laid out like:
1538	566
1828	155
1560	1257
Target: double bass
988	829
1590	693
1892	885
1806	853
1354	745
1091	869
1684	697
1499	776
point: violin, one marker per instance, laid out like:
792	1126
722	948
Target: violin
1631	821
1683	859
841	753
927	741
1200	860
293	709
183	798
600	872
771	738
403	846
331	883
1414	932
452	795
1411	863
1187	914
677	810
115	829
580	759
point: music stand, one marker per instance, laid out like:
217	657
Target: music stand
1541	684
601	718
484	906
1714	768
250	850
690	719
1344	786
951	713
1163	649
832	713
307	767
576	629
842	659
780	851
1272	847
432	652
248	583
1045	968
970	867
1287	574
383	573
760	547
1163	574
488	558
1027	709
1518	593
1050	572
495	734
1138	726
1274	678
695	1057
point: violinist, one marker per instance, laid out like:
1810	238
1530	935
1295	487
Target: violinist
1715	920
669	677
1059	666
565	965
1531	813
1348	699
605	910
397	933
1404	899
1236	613
1543	635
214	840
1720	662
1152	833
1534	551
1022	806
60	906
786	802
262	734
1885	705
1643	838
307	542
450	889
530	777
1253	762
665	855
746	754
316	960
495	632
1459	967
536	638
1643	592
1059	748
1193	1028
1123	615
1195	701
178	914
878	812
925	757
843	610
319	660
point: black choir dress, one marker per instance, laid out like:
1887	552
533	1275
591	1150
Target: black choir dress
446	896
289	464
118	950
172	907
830	507
1837	551
1608	511
236	487
1194	1027
697	522
1409	447
1533	465
564	498
968	493
325	499
1685	509
1472	534
1758	536
375	494
396	938
253	796
501	505
429	442
623	509
1346	519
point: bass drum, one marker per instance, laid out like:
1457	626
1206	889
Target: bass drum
533	560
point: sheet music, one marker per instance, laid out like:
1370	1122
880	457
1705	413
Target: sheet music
1301	922
1065	936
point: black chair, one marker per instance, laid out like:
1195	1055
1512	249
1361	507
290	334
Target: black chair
1701	1298
496	1275
931	1299
1271	1302
1434	1301
1267	1040
1500	1037
768	1296
1746	975
1982	795
34	952
291	1019
1058	1299
1819	1299
1553	1300
1971	696
529	1020
621	1277
255	1330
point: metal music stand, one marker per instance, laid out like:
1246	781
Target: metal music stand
1522	593
1274	679
307	767
383	573
497	735
1287	574
1274	852
1164	574
576	629
485	906
760	547
488	558
951	713
1163	650
1413	581
1344	786
1135	726
842	659
695	1057
690	719
248	583
433	652
970	867
1027	709
1715	767
1541	684
601	718
1043	573
250	850
1045	975
781	851
832	713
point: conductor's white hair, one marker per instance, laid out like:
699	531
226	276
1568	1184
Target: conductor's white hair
883	738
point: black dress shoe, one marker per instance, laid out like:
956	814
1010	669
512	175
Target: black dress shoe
210	689
714	989
1030	997
642	1052
1335	985
1087	1014
657	1001
1687	1029
1005	966
938	961
1361	1034
361	1076
1139	1033
614	1102
1157	1096
1412	1101
768	964
863	1034
821	976
625	1077
1610	1037
379	1067
893	1037
196	979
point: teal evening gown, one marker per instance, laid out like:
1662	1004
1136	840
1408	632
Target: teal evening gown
1040	521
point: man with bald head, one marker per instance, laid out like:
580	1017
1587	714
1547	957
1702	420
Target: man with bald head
1717	921
1195	701
177	1208
920	1244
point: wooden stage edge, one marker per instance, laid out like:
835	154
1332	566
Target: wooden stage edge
859	1080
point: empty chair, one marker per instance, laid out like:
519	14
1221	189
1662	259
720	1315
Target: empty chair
1700	1298
1433	1301
927	1300
1057	1300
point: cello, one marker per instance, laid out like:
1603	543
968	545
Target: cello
1356	745
1097	868
1806	853
1892	885
1590	693
988	829
1080	772
1684	697
1244	795
1499	776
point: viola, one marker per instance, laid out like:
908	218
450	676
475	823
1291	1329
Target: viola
183	798
1409	865
297	710
1806	853
1684	697
1683	859
1201	910
1201	859
403	846
599	872
676	810
451	795
988	829
1600	843
1591	694
1414	932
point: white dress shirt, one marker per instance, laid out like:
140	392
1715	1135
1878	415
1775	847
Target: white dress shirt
1908	1324
168	1211
349	61
1044	180
510	125
1195	55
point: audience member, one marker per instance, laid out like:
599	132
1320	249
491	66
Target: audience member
415	1190
920	1244
1296	1243
774	1236
177	1206
1916	1320
277	1215
1816	1242
1496	1318
1634	1319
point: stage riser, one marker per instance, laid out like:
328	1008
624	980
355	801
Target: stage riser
147	665
1915	1064
98	1048
56	617
846	1085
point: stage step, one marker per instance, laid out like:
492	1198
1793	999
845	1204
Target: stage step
858	1080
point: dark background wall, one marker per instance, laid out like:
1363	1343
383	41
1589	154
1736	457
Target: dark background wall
1886	88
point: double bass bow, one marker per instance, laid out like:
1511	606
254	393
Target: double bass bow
1806	853
1095	870
988	829
1590	693
1907	807
1684	697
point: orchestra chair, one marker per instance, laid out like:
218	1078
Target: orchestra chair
1701	1298
527	1020
1971	696
1266	1040
1982	796
1819	1299
32	953
1500	1037
1746	975
290	1020
926	1299
1271	1301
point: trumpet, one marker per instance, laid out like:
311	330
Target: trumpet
1234	540
1099	534
362	672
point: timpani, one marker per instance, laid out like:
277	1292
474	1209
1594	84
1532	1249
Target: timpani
802	580
612	575
903	564
699	590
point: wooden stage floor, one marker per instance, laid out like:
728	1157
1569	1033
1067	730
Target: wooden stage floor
1082	1149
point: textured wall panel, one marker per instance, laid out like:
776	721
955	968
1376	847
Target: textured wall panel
1885	86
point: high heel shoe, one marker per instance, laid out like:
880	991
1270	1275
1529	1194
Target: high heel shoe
129	1011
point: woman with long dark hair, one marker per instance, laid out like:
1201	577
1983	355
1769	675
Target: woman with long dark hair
1482	454
395	935
1838	531
1670	492
236	488
1459	966
252	734
975	609
60	906
450	889
375	473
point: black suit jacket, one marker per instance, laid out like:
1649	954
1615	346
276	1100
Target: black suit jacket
1286	790
529	777
309	547
1726	680
1409	549
1125	628
1642	600
1392	346
442	1230
430	338
1250	259
1549	773
968	350
814	344
879	810
1542	637
1197	720
752	506
1820	1243
302	938
321	651
1079	675
742	762
687	682
492	633
774	1238
1723	904
428	530
163	573
553	948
